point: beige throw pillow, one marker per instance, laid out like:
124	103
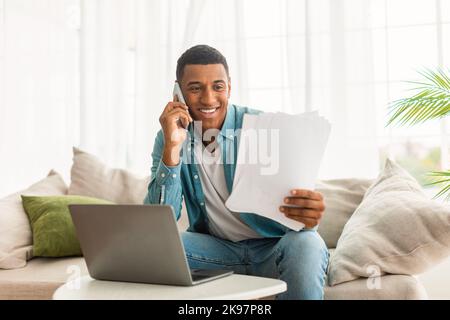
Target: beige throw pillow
91	177
16	240
341	198
396	230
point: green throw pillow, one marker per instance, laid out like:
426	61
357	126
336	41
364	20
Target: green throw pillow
52	226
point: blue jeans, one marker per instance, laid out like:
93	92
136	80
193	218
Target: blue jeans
298	258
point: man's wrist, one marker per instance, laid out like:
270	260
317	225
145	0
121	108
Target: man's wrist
171	156
168	175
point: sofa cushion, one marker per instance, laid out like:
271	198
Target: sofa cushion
392	287
15	232
91	177
388	287
40	278
396	230
341	198
53	230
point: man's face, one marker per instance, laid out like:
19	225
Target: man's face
206	89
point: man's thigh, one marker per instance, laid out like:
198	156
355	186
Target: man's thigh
207	252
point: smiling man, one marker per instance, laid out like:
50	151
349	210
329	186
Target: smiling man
217	237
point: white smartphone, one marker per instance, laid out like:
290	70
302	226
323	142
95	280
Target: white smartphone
177	92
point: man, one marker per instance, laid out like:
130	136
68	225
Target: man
218	238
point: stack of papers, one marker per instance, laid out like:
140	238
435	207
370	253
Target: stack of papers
277	152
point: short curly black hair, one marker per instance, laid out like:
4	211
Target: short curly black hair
200	54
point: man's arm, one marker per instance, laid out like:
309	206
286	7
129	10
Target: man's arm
165	181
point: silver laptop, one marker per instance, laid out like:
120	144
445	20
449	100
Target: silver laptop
135	243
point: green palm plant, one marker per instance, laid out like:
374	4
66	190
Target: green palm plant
431	100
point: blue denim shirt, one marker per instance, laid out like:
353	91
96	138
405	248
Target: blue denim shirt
169	185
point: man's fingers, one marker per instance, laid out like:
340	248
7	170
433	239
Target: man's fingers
308	222
305	193
177	106
178	112
300	212
173	105
305	203
184	121
181	117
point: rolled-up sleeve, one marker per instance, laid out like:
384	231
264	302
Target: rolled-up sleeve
165	182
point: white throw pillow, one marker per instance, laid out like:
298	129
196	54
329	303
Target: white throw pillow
91	177
396	230
341	198
16	239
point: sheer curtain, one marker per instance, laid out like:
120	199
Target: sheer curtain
278	61
296	56
98	73
39	75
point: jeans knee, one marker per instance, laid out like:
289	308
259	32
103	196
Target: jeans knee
305	244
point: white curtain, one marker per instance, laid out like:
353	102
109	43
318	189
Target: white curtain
39	109
98	73
342	84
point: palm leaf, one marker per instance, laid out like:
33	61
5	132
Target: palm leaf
431	100
446	179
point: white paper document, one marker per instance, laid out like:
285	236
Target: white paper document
277	152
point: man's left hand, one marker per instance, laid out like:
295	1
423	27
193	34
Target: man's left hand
305	206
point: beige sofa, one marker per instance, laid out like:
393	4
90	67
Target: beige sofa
90	177
42	276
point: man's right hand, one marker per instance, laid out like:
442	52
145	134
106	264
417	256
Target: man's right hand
174	121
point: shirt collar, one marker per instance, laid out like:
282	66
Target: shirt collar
229	124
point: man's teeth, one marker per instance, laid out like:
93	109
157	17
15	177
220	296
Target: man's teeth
208	110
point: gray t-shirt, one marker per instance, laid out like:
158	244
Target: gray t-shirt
223	223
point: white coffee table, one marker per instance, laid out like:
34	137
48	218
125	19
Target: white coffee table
236	286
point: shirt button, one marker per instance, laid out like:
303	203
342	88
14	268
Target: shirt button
202	203
163	175
196	177
174	175
230	136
